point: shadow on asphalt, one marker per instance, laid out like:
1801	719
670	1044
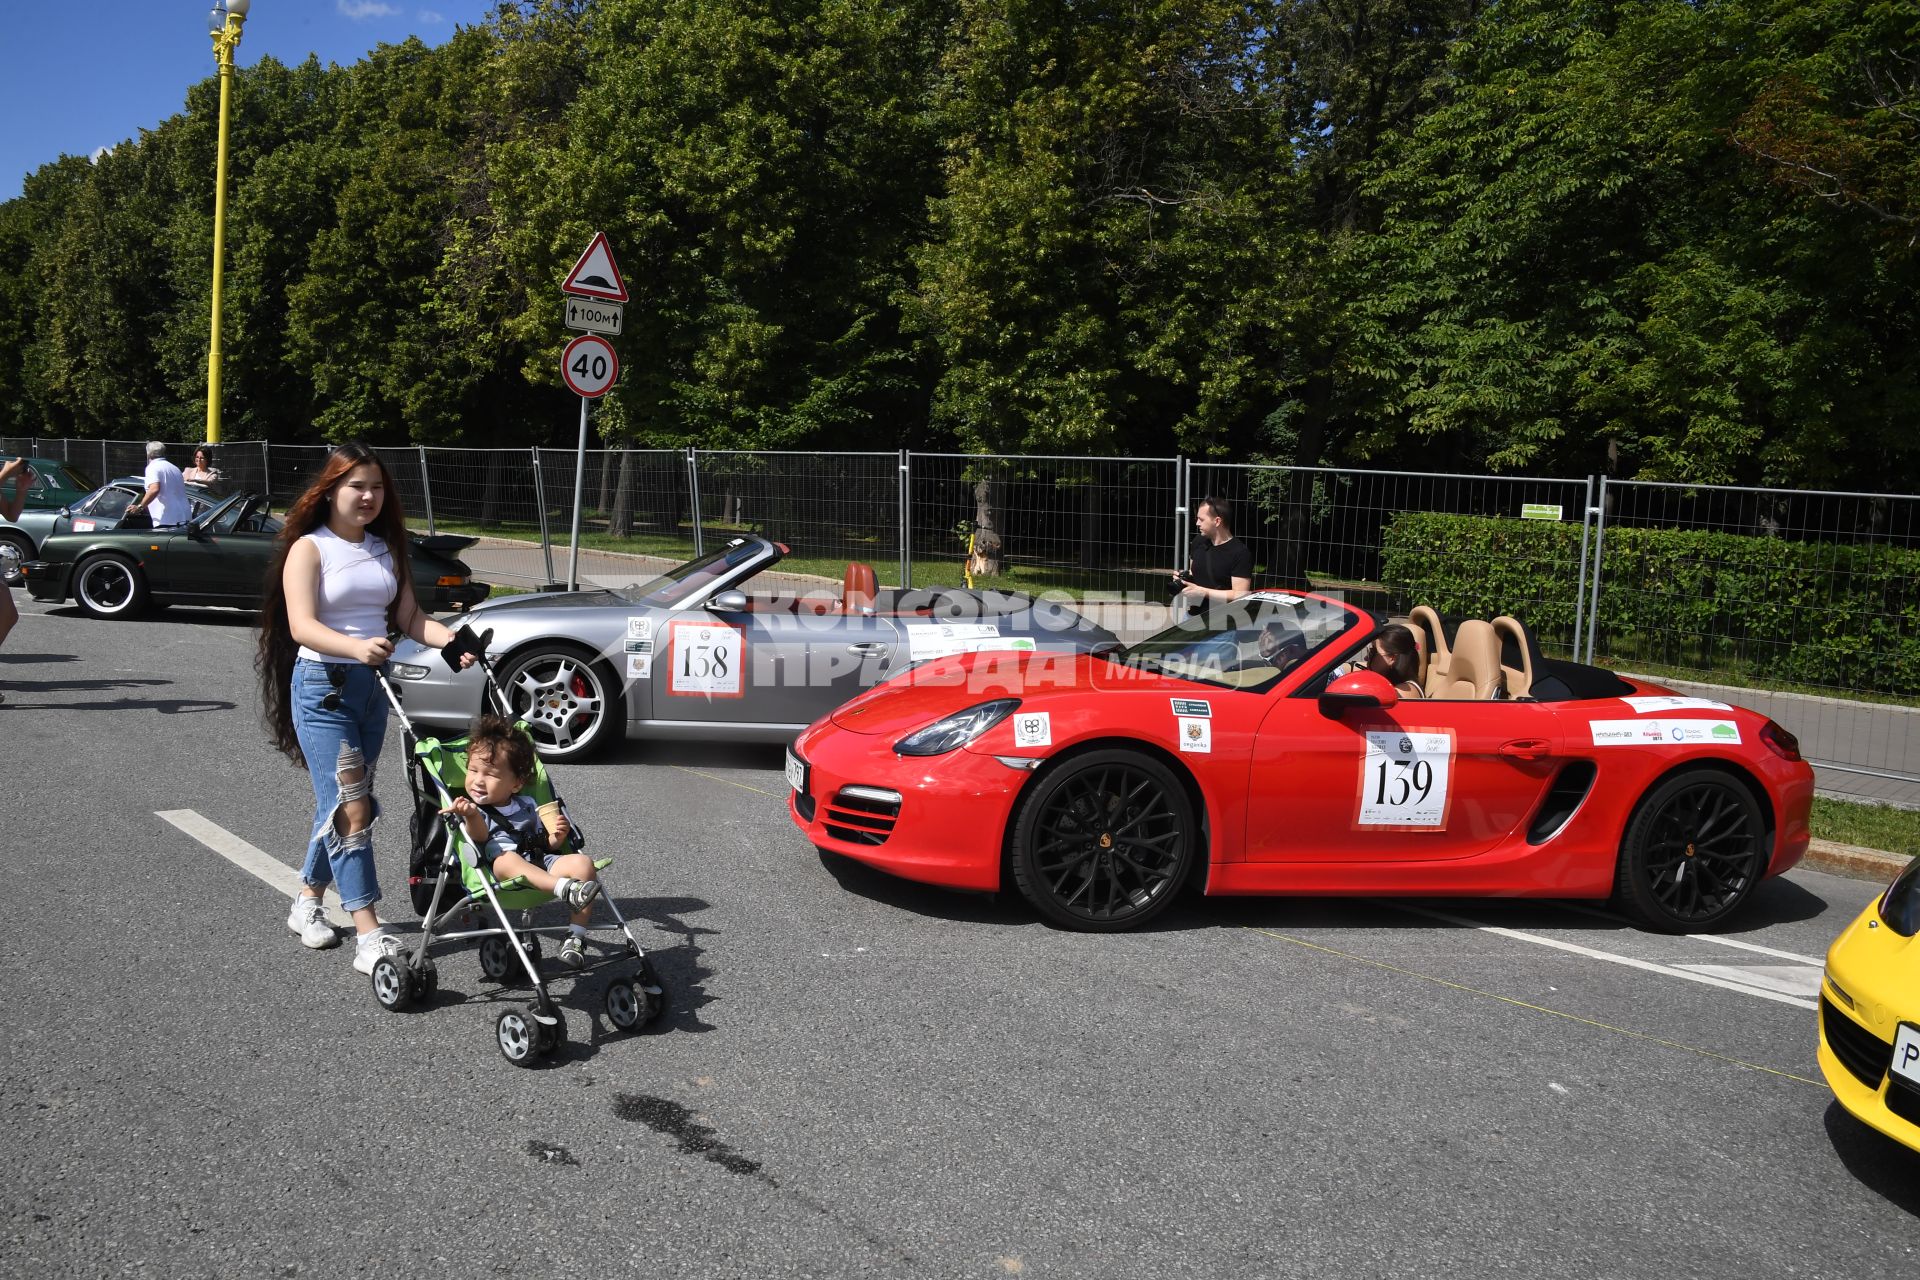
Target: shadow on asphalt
956	905
25	659
1881	1165
199	615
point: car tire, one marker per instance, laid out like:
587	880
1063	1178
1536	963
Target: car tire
569	699
1692	853
15	551
109	586
1103	841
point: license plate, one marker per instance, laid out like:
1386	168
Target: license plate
796	772
1906	1054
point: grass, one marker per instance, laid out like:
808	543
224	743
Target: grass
1871	826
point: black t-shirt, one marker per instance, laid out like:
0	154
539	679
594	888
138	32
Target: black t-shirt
1217	567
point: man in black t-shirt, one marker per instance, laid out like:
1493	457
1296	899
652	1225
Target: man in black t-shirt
1219	565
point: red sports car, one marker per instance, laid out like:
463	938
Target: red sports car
1242	747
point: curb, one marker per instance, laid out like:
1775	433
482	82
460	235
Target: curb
1853	861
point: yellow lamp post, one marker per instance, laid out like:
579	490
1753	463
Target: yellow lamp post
224	25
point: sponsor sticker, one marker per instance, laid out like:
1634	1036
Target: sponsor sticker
1616	733
83	526
1032	729
639	629
1192	707
928	640
1196	734
639	666
1664	702
639	646
1405	777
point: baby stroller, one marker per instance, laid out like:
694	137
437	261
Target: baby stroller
459	899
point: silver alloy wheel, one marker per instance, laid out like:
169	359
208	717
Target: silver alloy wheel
14	552
564	698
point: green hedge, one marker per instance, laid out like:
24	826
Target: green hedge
1837	615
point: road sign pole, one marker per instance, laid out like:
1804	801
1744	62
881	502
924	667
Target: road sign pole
579	487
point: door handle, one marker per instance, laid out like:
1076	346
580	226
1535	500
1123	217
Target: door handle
867	648
1527	749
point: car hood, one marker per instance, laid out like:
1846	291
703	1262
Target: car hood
935	689
551	600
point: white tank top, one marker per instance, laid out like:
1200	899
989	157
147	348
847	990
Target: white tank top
356	586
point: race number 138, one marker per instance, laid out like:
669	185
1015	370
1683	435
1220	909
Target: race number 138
707	658
1404	779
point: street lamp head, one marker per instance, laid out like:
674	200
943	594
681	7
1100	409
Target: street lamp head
238	8
217	20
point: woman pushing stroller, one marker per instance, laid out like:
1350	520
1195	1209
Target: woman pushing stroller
339	586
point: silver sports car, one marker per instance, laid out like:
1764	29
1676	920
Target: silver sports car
698	653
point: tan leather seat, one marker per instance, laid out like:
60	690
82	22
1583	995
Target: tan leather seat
1473	664
858	589
1429	637
1513	635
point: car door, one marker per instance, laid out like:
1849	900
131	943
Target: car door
1424	779
213	560
766	665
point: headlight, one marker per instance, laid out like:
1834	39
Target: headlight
1900	904
407	671
957	730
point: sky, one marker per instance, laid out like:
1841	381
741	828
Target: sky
76	78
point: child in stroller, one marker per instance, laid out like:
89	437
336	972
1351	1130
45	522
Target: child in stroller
503	820
468	887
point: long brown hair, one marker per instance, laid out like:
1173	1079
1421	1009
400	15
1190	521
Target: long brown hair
278	649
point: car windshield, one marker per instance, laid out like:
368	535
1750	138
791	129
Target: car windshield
684	581
1248	644
111	503
61	476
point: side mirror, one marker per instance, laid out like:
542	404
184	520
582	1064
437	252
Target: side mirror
1362	690
728	602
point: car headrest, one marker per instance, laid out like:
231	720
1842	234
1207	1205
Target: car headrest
859	588
1473	666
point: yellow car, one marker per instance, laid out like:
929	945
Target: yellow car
1870	1012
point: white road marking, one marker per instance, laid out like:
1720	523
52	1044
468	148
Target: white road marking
1715	938
261	866
1707	979
1789	979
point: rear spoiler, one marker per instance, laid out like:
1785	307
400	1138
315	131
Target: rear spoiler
446	544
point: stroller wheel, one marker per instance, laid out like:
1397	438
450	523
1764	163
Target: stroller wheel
497	961
426	981
518	1036
628	1007
392	983
552	1034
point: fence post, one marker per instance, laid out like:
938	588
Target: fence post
266	471
540	502
1599	541
906	523
1180	481
104	474
693	491
426	490
1580	582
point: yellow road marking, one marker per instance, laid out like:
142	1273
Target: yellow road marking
1536	1008
714	777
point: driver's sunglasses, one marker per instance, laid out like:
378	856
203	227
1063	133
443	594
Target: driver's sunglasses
337	677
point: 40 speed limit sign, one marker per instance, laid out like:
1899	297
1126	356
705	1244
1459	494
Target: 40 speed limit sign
589	366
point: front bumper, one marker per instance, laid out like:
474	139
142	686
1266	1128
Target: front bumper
46	582
946	827
1868	991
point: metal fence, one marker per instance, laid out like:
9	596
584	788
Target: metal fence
1805	605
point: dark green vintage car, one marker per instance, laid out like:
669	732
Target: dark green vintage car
220	558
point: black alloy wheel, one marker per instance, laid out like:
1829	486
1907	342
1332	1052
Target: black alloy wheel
1104	841
568	698
106	586
1693	852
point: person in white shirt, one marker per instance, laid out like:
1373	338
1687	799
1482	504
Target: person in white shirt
165	500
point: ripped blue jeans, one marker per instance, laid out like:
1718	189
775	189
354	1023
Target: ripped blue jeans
342	739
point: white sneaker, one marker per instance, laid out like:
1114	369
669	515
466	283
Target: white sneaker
372	946
309	919
577	894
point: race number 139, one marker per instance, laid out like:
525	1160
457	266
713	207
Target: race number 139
1404	779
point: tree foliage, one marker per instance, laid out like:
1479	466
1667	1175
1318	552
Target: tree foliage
1662	238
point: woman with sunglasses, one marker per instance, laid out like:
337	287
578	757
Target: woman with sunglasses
1395	655
339	586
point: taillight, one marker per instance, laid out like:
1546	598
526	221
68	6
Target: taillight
1784	744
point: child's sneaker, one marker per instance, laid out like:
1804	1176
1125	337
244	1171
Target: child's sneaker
577	894
309	919
374	945
573	952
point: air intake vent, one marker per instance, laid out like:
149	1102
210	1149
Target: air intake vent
864	815
1562	802
1860	1051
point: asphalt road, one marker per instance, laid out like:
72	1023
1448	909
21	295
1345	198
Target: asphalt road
859	1076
